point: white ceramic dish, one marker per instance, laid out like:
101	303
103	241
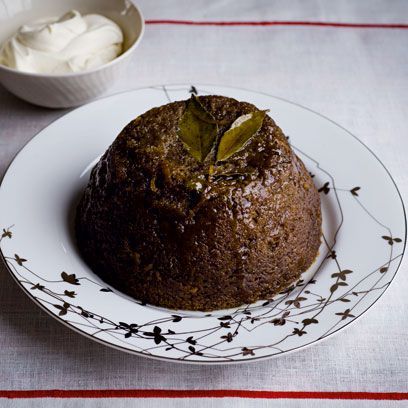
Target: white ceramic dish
66	90
363	223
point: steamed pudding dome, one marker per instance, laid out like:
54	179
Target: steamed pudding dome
200	205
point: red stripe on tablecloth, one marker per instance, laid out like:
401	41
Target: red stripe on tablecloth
277	23
396	396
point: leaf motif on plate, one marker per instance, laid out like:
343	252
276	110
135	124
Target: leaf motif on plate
69	293
312	320
156	334
344	315
228	337
197	129
325	188
70	278
62	309
239	134
19	260
247	351
227	317
6	233
299	332
342	275
37	286
176	318
334	287
354	190
191	340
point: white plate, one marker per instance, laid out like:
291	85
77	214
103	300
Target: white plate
363	223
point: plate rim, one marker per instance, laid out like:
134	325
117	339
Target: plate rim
192	361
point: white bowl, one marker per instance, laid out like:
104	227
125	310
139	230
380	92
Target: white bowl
66	90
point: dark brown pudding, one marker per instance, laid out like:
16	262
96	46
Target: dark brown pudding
180	229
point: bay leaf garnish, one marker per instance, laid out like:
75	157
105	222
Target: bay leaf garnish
239	134
197	129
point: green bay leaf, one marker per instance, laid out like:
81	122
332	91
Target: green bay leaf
197	129
239	134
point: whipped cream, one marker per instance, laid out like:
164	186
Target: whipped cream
71	43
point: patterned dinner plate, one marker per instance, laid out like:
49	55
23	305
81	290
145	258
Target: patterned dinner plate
364	233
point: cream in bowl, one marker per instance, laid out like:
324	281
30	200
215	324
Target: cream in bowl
64	53
66	44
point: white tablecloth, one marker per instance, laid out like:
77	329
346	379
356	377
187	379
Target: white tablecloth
356	76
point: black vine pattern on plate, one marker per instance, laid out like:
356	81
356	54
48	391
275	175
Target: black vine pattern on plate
276	312
294	312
